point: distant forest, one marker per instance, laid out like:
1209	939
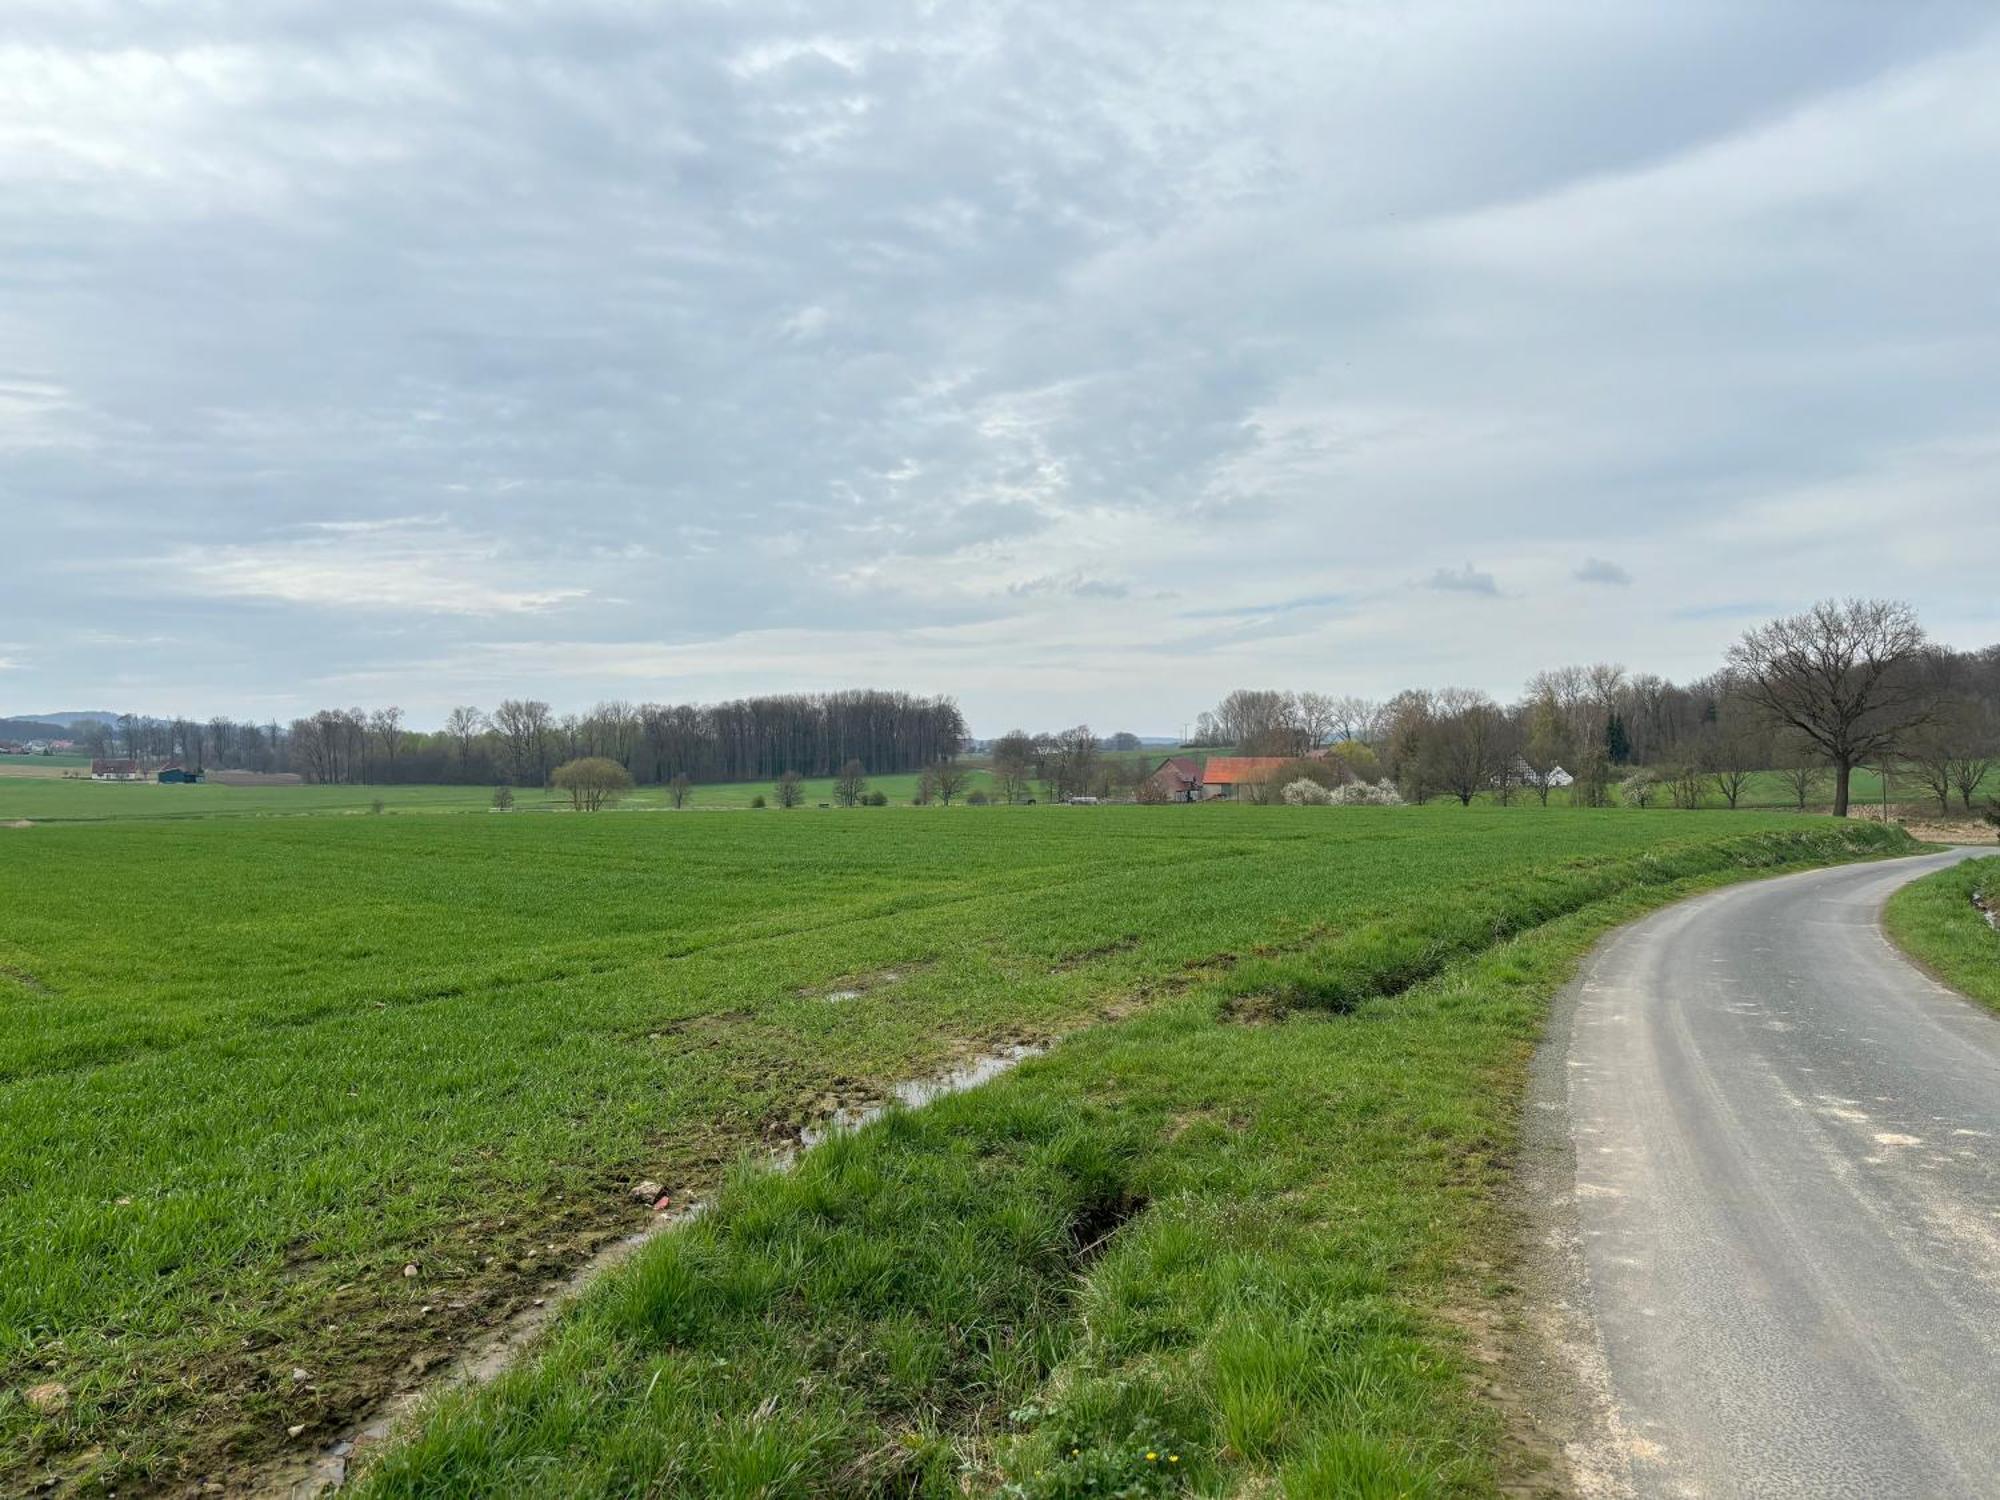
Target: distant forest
522	740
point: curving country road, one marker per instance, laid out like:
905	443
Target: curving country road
1785	1232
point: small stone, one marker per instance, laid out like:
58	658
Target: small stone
540	1300
645	1190
125	1202
410	1271
425	1311
49	1396
299	1376
295	1429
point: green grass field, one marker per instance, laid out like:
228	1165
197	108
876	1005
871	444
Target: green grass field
49	799
252	1069
1935	921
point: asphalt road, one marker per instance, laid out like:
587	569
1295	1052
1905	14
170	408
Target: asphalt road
1787	1203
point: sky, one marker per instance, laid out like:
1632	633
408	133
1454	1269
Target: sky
1081	361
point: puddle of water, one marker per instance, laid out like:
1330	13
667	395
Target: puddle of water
491	1355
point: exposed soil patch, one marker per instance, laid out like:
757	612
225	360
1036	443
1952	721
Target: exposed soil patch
1089	956
1091	1231
1253	1010
1929	826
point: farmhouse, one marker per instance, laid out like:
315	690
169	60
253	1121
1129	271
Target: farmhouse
116	770
1178	779
1524	774
1227	775
1183	780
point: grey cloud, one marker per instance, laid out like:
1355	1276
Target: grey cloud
1465	580
1599	570
1074	585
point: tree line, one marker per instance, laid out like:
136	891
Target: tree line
522	741
1846	684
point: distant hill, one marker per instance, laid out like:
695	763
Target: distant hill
69	718
33	729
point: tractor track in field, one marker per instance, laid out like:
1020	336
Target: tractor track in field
491	1353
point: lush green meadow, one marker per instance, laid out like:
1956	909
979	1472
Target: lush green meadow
1936	922
253	1069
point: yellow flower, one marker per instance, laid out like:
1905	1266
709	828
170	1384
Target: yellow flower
1150	1455
1173	1458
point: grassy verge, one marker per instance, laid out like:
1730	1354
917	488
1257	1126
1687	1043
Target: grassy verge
1217	1247
1934	920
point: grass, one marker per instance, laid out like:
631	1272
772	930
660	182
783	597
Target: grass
1208	1249
57	799
251	1069
1935	921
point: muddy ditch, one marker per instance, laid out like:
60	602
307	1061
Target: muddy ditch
492	1352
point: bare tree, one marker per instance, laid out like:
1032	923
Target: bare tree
524	726
1261	721
851	784
1356	718
1013	763
1969	772
464	724
1802	778
387	723
1471	745
1735	746
1068	760
1319	719
1845	674
789	789
948	779
1685	784
679	789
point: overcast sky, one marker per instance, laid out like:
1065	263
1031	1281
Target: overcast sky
1080	360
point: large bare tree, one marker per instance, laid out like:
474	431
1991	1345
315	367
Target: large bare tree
1847	674
1470	745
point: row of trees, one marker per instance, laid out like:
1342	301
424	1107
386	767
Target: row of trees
523	740
1848	683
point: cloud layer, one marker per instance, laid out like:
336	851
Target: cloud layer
1080	369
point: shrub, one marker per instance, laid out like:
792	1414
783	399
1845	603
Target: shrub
1327	773
1639	788
377	805
1367	794
1359	761
503	797
976	798
1305	792
591	781
758	800
877	799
